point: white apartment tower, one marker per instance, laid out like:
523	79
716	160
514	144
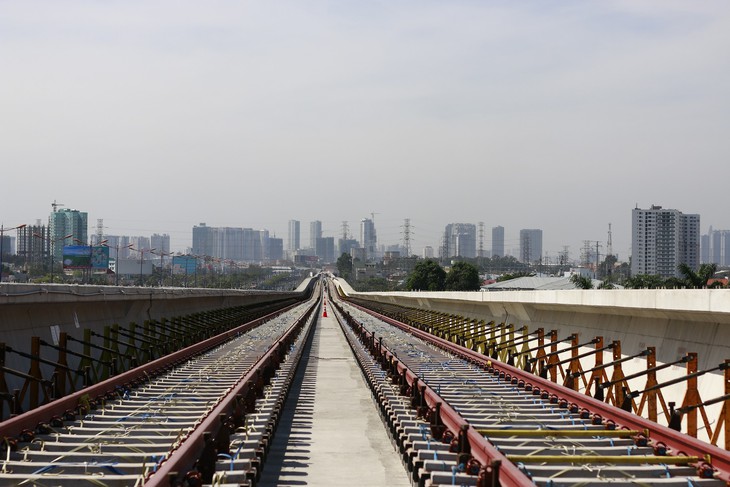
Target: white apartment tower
661	239
293	243
315	232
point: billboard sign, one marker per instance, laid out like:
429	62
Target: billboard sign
76	256
85	257
183	264
100	257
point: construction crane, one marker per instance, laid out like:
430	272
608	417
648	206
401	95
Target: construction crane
55	205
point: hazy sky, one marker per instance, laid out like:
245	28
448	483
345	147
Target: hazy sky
560	115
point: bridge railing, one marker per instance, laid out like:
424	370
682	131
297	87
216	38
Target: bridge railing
581	367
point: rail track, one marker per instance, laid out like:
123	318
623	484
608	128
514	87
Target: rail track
462	418
205	415
203	419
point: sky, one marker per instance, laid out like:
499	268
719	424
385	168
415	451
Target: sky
156	116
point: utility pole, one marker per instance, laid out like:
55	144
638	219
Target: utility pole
609	244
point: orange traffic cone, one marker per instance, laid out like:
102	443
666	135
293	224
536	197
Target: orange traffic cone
324	315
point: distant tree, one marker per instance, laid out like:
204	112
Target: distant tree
514	275
372	284
463	277
344	266
644	281
697	280
427	275
605	270
581	282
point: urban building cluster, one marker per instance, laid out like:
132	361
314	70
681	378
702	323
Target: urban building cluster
661	240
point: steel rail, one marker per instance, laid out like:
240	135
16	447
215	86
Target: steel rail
31	419
183	458
481	449
678	442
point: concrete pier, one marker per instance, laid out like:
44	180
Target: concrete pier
330	431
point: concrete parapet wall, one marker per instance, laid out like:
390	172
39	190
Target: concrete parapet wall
674	321
31	310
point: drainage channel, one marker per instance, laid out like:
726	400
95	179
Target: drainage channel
452	418
136	435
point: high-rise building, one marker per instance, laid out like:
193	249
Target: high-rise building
239	244
531	245
325	249
460	240
346	244
276	249
428	252
315	232
161	244
498	241
7	245
66	227
203	240
368	238
34	244
293	243
715	247
118	244
661	239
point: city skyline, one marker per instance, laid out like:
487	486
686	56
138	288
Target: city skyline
513	246
562	116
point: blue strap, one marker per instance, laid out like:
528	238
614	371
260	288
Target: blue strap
224	455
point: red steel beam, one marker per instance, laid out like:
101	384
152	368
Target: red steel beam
678	442
183	458
29	420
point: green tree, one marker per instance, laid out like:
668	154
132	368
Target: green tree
697	280
463	277
581	282
427	275
373	284
644	281
344	266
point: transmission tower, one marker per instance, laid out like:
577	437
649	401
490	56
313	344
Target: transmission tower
99	230
585	257
345	230
407	236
